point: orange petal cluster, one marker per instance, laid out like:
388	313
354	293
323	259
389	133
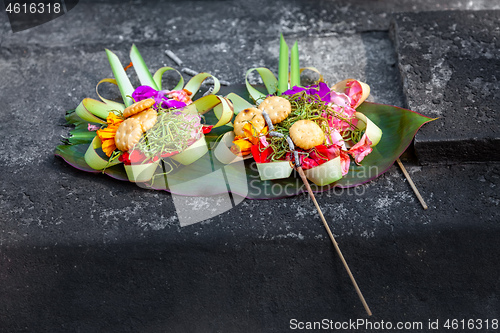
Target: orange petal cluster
243	144
107	134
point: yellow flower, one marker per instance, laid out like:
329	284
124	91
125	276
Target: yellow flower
107	134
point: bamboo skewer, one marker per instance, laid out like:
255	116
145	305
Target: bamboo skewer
412	184
353	280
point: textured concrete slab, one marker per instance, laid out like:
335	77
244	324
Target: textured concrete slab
169	21
450	64
116	259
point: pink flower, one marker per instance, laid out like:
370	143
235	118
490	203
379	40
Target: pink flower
344	112
355	91
335	139
263	141
176	99
92	127
345	162
180	96
339	99
361	149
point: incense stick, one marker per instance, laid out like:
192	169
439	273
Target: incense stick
311	194
412	184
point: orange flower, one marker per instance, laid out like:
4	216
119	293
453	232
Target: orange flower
107	134
243	144
251	134
113	119
108	146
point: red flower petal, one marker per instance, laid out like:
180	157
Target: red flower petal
207	128
261	156
319	155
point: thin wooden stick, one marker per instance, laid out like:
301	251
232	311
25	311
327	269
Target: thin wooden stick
311	194
412	184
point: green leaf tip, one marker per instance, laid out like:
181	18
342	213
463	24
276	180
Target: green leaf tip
141	68
294	66
121	77
283	66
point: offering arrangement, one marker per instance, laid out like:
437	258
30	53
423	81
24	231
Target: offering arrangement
157	137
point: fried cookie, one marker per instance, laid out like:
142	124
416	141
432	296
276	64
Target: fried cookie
147	118
278	108
128	134
138	107
253	115
306	134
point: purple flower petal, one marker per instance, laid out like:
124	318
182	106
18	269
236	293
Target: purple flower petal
144	92
294	90
320	90
172	103
324	92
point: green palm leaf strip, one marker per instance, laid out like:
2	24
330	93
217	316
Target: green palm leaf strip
113	106
126	88
141	69
294	66
159	74
93	111
283	66
239	103
195	83
269	80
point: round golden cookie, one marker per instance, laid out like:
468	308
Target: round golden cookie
128	134
306	134
251	114
138	107
278	108
147	118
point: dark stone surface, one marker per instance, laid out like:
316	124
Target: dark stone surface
85	253
450	64
113	22
254	268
